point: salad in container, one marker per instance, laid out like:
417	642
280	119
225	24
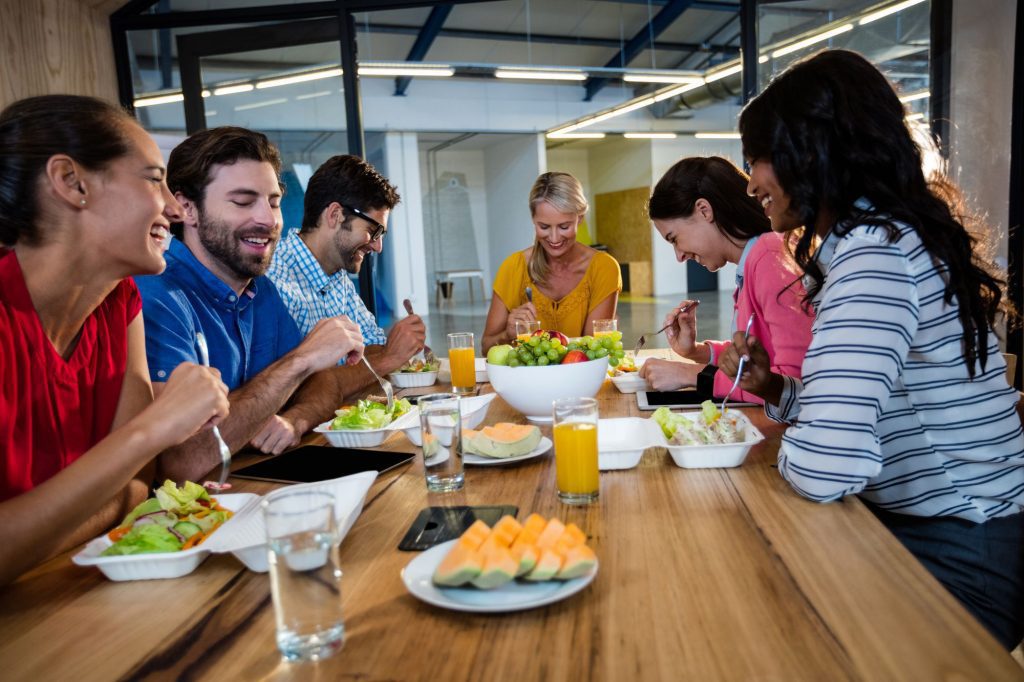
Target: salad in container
417	373
368	423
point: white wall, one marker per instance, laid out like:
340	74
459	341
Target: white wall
575	161
404	244
980	108
511	169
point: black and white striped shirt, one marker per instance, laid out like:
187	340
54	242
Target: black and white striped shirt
886	407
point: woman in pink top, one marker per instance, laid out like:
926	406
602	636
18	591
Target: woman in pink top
701	207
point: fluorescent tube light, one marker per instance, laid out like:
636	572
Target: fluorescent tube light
575	136
259	105
678	91
232	89
206	93
298	78
649	136
311	95
660	78
528	74
915	117
891	9
418	72
914	96
159	99
812	40
718	75
717	136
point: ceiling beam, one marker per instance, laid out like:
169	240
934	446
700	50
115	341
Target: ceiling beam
425	38
644	37
699	4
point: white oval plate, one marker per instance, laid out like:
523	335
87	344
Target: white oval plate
517	595
542	447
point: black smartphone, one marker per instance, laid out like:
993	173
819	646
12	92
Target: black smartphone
312	463
435	525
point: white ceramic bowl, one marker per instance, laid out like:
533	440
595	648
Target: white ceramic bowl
531	390
474	410
413	379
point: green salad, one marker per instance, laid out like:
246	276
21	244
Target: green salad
368	414
710	428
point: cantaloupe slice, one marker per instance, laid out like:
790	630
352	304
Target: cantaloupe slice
499	568
501	440
548	565
502	535
526	555
578	561
475	535
549	536
459	566
571	537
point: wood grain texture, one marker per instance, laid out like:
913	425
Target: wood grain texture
56	47
704	574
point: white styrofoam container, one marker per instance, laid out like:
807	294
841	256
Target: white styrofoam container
243	535
631	382
621	443
413	379
367	438
474	409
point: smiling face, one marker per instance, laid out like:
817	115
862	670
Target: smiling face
764	186
238	225
353	245
697	238
556	231
130	213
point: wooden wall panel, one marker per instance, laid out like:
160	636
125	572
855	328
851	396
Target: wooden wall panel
56	46
624	228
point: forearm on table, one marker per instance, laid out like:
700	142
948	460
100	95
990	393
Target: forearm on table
71	507
323	393
251	406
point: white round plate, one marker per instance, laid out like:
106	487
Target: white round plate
542	447
517	595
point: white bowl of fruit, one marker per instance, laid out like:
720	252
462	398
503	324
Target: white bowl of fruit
531	374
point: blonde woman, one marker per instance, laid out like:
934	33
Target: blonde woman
572	284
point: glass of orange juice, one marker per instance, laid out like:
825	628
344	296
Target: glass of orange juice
462	358
605	327
524	330
575	429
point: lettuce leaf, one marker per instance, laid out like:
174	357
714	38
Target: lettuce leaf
182	501
369	414
145	539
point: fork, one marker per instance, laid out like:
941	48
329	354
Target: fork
225	451
389	391
421	355
739	367
643	337
529	294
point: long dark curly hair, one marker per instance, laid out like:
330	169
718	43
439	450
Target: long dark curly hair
834	131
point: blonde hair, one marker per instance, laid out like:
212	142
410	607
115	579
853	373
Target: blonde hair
565	194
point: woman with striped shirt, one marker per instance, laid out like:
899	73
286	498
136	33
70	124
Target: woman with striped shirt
903	398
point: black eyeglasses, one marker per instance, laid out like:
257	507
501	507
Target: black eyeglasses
378	230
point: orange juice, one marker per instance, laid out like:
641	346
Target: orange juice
576	472
523	338
598	335
463	368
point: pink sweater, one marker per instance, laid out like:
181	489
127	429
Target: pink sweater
781	326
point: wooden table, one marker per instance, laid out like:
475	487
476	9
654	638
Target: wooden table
704	574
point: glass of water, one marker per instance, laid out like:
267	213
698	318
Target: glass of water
305	574
441	424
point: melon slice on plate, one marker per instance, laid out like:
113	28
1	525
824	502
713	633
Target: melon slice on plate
502	535
459	566
578	561
548	565
501	441
499	568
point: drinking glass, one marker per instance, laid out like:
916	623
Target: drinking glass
441	426
305	574
524	330
575	429
604	327
462	361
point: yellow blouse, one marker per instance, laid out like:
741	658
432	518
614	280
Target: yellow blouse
569	314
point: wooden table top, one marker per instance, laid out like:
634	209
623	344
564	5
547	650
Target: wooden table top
704	574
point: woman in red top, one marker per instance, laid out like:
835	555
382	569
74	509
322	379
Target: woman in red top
83	207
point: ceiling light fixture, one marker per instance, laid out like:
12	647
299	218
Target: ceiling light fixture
528	74
159	99
677	91
891	9
233	89
432	71
298	78
575	136
311	95
717	136
812	40
915	117
661	78
723	73
914	96
260	105
649	136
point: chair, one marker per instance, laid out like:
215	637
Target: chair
445	280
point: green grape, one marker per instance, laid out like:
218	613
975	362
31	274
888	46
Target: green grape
533	340
613	361
590	355
552	354
573	346
555	343
601	353
532	362
538	351
616	336
513	362
617	345
618	354
543	360
593	344
545	346
606	342
525	354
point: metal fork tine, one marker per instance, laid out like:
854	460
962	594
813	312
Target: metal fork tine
389	390
739	367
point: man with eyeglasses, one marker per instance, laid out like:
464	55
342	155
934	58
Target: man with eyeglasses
345	217
227	181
